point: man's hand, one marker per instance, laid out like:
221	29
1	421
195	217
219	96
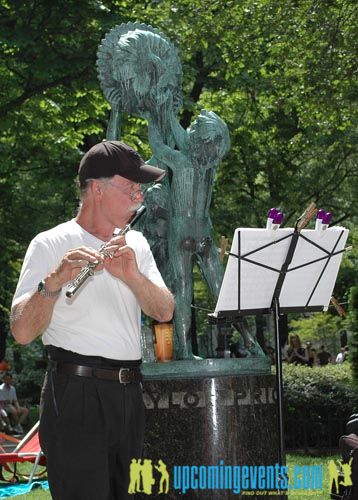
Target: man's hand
32	314
155	301
121	260
71	264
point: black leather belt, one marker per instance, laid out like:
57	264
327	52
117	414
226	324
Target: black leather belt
122	375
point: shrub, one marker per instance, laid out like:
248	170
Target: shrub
317	403
325	387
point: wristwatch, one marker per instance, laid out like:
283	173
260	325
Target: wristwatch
41	289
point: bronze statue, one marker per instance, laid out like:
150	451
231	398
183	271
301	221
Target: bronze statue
140	73
190	232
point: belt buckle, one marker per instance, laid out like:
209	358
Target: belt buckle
120	375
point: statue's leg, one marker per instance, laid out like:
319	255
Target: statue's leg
181	262
212	269
210	265
250	341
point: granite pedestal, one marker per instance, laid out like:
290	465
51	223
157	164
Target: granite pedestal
197	413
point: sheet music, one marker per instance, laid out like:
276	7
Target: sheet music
249	286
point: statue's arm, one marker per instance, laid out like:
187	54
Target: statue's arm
179	133
163	153
114	125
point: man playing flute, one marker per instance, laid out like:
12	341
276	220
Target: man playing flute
92	412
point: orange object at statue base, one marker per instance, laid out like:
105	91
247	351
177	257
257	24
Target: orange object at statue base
163	344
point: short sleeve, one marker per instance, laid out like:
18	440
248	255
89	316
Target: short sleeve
36	266
145	259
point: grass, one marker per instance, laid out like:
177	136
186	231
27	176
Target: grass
291	459
36	494
302	460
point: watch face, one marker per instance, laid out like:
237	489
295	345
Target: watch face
41	289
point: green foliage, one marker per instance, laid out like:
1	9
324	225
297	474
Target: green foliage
352	324
281	74
317	327
29	376
319	389
348	273
324	328
283	137
349	278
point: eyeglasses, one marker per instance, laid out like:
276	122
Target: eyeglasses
130	191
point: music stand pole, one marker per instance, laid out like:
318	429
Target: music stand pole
279	384
300	224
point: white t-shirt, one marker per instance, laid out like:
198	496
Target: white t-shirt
7	394
340	357
103	317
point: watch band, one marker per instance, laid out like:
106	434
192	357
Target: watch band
41	289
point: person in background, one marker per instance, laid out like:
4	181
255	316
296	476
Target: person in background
323	357
234	351
271	354
220	352
16	414
296	353
346	353
310	353
5	424
4	365
341	355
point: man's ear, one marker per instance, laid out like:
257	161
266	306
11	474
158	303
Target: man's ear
97	189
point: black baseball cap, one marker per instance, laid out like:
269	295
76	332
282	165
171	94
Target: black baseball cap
109	158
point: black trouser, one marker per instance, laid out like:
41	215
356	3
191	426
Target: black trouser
90	429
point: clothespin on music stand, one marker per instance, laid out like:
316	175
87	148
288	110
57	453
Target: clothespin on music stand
307	215
338	307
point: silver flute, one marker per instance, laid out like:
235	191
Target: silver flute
88	270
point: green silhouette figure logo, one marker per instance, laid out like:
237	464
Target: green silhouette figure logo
141	477
347	471
334	473
147	477
162	468
134	473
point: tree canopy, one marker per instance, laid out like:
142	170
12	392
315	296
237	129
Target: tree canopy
281	74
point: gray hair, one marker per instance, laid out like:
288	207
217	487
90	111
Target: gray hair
84	189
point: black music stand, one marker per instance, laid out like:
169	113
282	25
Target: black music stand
279	271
